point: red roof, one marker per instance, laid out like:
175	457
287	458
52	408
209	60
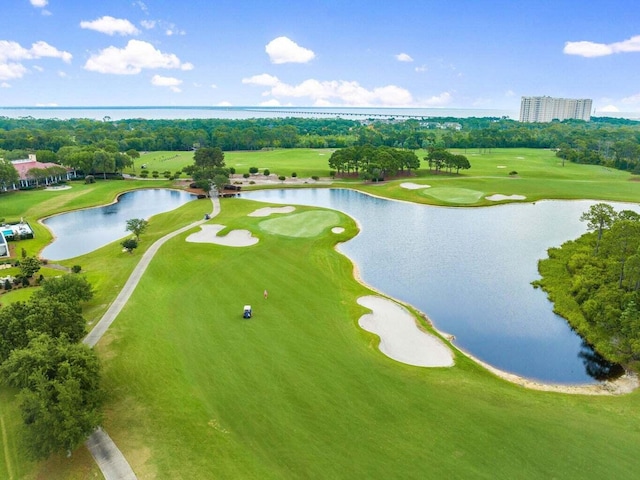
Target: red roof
24	166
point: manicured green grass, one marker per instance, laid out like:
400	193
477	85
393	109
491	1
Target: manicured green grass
540	175
300	391
306	162
305	224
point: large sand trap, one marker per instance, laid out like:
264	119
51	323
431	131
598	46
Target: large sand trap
413	186
266	211
337	229
400	337
235	238
499	197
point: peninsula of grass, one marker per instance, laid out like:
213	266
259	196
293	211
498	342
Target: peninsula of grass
300	391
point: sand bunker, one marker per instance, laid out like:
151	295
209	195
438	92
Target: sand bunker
235	238
58	187
413	186
337	229
499	197
400	337
502	166
265	212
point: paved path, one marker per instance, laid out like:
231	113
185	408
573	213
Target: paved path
106	454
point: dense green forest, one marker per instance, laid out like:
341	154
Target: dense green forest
594	282
604	141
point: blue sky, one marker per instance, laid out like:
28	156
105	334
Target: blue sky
380	53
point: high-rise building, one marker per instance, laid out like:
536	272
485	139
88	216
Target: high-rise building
546	109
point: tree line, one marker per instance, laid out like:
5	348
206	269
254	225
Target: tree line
605	141
58	377
594	282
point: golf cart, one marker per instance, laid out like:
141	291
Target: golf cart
247	311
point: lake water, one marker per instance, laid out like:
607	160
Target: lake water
470	270
83	231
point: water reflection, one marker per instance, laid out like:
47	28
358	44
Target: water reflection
83	231
470	270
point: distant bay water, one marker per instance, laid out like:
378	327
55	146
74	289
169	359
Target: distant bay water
238	113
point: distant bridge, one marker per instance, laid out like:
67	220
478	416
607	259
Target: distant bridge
342	114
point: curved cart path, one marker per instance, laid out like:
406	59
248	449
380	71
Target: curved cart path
106	454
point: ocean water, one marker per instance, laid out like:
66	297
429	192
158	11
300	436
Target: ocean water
236	113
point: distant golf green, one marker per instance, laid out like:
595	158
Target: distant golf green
305	224
453	194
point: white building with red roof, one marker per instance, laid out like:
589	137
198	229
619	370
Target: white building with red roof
27	179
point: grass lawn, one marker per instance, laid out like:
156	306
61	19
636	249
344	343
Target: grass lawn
306	162
540	175
300	391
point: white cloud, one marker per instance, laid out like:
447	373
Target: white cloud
43	49
609	109
38	68
132	59
404	57
509	93
142	6
263	79
148	24
51	104
421	68
5	85
213	85
593	49
110	26
225	104
14	51
39	3
324	93
171	82
284	50
270	103
632	100
62	74
12	54
9	71
160	81
438	100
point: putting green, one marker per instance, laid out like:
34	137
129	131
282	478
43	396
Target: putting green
305	224
453	195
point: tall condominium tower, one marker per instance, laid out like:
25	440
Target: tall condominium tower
546	109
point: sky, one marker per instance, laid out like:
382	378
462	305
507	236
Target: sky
483	54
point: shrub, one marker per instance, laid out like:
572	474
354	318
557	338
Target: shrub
332	173
253	170
282	178
513	172
177	174
7	284
155	174
315	177
252	182
76	269
144	173
25	281
246	175
167	174
266	172
89	179
232	170
294	175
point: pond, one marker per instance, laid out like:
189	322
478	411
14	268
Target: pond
470	270
83	231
